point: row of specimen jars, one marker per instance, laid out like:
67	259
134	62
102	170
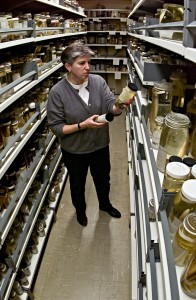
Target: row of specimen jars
146	52
107	67
106	39
106	13
10	20
13	237
182	226
19	113
16	173
13	68
34	191
106	26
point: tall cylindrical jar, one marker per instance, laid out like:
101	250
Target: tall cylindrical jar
174	138
184	241
184	203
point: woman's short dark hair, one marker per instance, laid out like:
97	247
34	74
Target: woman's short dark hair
74	50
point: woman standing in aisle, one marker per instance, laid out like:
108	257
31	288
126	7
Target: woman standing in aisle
73	105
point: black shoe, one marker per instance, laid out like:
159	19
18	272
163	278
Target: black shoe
112	211
82	219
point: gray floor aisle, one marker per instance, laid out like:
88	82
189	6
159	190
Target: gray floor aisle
93	262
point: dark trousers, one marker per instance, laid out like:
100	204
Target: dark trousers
77	166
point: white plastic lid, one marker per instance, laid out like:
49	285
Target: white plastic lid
177	170
32	105
189	189
193	171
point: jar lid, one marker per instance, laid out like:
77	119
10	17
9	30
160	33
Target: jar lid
177	170
177	120
189	161
190	224
189	189
32	105
193	171
175	158
159	119
163	85
132	86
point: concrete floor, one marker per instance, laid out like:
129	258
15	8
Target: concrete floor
93	262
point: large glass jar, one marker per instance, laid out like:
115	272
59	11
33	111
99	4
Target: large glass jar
184	241
184	203
174	138
161	101
171	13
178	80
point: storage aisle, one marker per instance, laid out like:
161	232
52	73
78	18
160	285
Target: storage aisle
93	262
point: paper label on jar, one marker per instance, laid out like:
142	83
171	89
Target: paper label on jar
161	158
156	139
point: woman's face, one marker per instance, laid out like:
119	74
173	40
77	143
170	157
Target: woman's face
79	70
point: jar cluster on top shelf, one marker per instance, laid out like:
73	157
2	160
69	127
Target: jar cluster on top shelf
43	23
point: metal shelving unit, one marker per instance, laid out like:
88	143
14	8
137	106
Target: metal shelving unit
32	75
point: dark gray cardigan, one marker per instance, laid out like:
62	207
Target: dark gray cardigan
65	106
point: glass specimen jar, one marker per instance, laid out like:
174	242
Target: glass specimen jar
188	278
174	138
178	81
161	101
184	241
175	175
184	203
156	134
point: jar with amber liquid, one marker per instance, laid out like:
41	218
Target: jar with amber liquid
179	81
176	173
3	81
184	203
193	145
184	241
188	278
174	138
161	100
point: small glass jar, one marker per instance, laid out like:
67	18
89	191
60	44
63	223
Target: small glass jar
24	267
3	268
4	197
184	203
151	210
13	295
188	278
184	241
21	278
17	287
40	229
156	134
33	247
3	82
176	174
174	139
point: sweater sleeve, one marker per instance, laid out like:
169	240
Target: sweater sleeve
55	113
108	96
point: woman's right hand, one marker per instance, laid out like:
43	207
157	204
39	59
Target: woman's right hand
91	123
